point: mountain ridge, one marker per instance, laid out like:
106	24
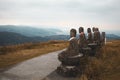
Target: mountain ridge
30	31
11	38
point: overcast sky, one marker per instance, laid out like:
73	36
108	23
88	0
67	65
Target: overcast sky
104	14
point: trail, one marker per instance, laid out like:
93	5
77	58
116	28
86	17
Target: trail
38	68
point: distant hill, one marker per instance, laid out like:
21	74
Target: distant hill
11	38
30	31
58	37
112	37
11	34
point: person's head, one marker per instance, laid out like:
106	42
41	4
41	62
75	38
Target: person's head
81	29
93	29
73	33
88	30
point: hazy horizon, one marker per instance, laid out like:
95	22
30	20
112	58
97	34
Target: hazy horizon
66	30
63	14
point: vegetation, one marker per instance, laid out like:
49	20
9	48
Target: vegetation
10	55
106	64
12	38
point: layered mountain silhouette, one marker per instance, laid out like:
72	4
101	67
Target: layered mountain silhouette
30	31
11	38
11	35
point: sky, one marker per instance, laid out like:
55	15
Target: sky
64	14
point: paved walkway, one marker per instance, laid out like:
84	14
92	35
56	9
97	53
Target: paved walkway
39	68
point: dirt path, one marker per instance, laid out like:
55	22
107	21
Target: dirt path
39	68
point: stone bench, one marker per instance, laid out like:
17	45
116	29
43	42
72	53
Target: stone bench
70	60
70	66
93	47
86	51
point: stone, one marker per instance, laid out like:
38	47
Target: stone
82	39
93	47
96	38
103	39
89	38
70	57
86	51
73	33
93	29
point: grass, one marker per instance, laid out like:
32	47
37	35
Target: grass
106	64
111	61
11	55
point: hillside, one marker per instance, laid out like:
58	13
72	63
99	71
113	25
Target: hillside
11	55
112	37
12	35
104	66
30	31
110	61
12	38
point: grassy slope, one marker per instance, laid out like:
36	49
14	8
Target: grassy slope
106	64
112	61
18	53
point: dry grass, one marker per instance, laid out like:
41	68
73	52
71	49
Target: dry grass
11	55
106	64
111	61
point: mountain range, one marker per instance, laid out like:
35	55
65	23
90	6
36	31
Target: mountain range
30	31
11	38
11	35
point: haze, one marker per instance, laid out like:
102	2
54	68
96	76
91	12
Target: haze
64	14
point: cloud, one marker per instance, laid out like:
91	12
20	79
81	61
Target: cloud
60	12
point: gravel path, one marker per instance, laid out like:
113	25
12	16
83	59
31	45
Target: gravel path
39	68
